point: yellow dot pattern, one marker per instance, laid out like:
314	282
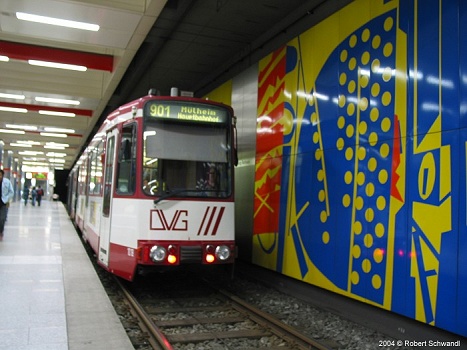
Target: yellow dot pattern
364	126
350	150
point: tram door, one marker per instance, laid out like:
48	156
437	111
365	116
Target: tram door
106	217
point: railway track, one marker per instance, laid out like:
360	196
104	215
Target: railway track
203	314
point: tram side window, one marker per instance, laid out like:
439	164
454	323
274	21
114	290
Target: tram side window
88	171
96	170
127	161
108	176
81	179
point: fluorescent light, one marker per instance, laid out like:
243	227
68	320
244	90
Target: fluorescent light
4	58
30	153
55	154
32	162
58	65
53	160
69	131
13	144
17	97
22	127
56	100
58	114
57	144
54	147
13	109
57	21
44	168
29	142
9	131
49	134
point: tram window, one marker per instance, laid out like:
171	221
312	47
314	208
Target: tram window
87	191
172	141
108	176
96	169
192	157
127	161
82	179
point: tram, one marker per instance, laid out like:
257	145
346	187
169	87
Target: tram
154	189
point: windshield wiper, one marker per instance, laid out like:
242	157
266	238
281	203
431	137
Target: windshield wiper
175	192
172	193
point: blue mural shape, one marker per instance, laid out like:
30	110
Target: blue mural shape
348	179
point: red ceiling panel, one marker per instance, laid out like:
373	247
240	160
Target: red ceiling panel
36	108
33	52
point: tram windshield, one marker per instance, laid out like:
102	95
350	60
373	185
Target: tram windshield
185	160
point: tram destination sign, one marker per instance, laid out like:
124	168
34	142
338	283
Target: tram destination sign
186	111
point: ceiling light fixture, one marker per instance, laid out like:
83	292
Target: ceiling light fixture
32	162
22	127
55	154
58	114
56	100
9	131
30	153
57	21
39	168
50	134
15	144
57	65
51	129
13	109
57	144
54	147
14	96
29	142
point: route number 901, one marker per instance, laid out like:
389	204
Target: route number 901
159	110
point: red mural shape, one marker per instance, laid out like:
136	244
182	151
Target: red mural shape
269	141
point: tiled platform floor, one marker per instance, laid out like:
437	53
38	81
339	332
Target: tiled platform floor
50	296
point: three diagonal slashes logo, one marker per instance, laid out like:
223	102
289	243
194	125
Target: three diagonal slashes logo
180	220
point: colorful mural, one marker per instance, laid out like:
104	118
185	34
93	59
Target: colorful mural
360	144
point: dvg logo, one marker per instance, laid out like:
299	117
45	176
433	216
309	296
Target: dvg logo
179	221
159	222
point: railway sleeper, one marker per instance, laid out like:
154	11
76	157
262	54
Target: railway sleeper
193	321
199	337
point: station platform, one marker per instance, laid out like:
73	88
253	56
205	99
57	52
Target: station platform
50	295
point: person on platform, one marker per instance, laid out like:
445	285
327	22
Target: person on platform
26	194
6	195
39	194
33	196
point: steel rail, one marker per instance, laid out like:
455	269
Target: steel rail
270	323
278	327
154	331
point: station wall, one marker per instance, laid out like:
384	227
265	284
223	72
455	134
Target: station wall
358	165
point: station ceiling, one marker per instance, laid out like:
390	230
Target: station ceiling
194	45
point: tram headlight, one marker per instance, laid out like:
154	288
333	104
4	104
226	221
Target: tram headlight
222	252
157	253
